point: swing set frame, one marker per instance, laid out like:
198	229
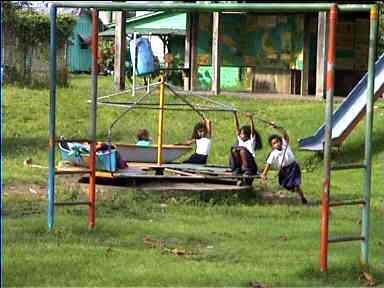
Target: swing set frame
332	8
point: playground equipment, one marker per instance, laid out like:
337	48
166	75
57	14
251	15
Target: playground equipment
78	154
148	154
234	7
349	113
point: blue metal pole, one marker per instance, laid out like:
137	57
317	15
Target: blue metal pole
368	135
52	120
1	150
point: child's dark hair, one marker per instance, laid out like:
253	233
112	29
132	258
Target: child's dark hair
246	129
142	134
199	126
274	136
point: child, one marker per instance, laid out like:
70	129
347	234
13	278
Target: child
201	135
281	158
143	138
242	157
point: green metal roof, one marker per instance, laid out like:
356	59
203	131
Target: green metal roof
160	23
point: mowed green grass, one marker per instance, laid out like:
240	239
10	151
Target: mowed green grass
224	240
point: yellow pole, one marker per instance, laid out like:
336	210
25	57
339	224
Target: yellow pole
160	124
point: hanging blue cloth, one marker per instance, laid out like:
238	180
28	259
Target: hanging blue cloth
145	61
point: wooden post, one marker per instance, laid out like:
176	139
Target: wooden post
253	79
216	33
193	61
120	50
187	54
321	58
305	71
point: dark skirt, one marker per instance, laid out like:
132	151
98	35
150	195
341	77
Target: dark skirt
290	176
250	167
197	159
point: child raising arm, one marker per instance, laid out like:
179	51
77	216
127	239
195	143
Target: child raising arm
282	158
201	135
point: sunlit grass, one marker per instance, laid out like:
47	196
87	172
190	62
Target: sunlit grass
228	240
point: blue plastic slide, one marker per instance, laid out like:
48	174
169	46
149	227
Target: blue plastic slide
349	113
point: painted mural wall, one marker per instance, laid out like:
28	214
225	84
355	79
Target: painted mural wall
273	44
248	40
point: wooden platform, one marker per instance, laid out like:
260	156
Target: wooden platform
167	177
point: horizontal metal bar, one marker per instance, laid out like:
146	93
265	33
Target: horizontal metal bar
167	107
71	203
165	177
197	106
145	104
212	7
69	172
337	239
348	166
58	140
346	203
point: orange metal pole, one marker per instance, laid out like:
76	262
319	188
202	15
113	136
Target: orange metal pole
92	162
328	139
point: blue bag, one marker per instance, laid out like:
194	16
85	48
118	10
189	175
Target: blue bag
145	60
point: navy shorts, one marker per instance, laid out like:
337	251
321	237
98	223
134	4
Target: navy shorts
197	159
290	176
250	168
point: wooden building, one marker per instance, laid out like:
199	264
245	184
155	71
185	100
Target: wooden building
262	53
79	53
275	53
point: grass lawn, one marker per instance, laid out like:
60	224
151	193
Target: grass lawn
146	239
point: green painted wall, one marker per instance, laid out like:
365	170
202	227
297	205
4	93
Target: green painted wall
229	77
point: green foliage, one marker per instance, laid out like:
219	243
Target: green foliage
33	28
107	54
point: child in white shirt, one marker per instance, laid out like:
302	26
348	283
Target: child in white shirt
201	135
282	158
242	157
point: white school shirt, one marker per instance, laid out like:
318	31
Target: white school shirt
203	146
276	156
249	144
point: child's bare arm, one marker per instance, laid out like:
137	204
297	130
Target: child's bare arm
282	131
265	171
249	116
208	124
189	142
237	124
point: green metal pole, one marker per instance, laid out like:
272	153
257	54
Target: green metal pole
52	120
368	135
210	7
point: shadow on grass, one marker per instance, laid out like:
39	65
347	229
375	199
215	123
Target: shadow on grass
14	146
354	151
339	275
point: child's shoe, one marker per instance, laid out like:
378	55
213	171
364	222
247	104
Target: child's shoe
236	172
